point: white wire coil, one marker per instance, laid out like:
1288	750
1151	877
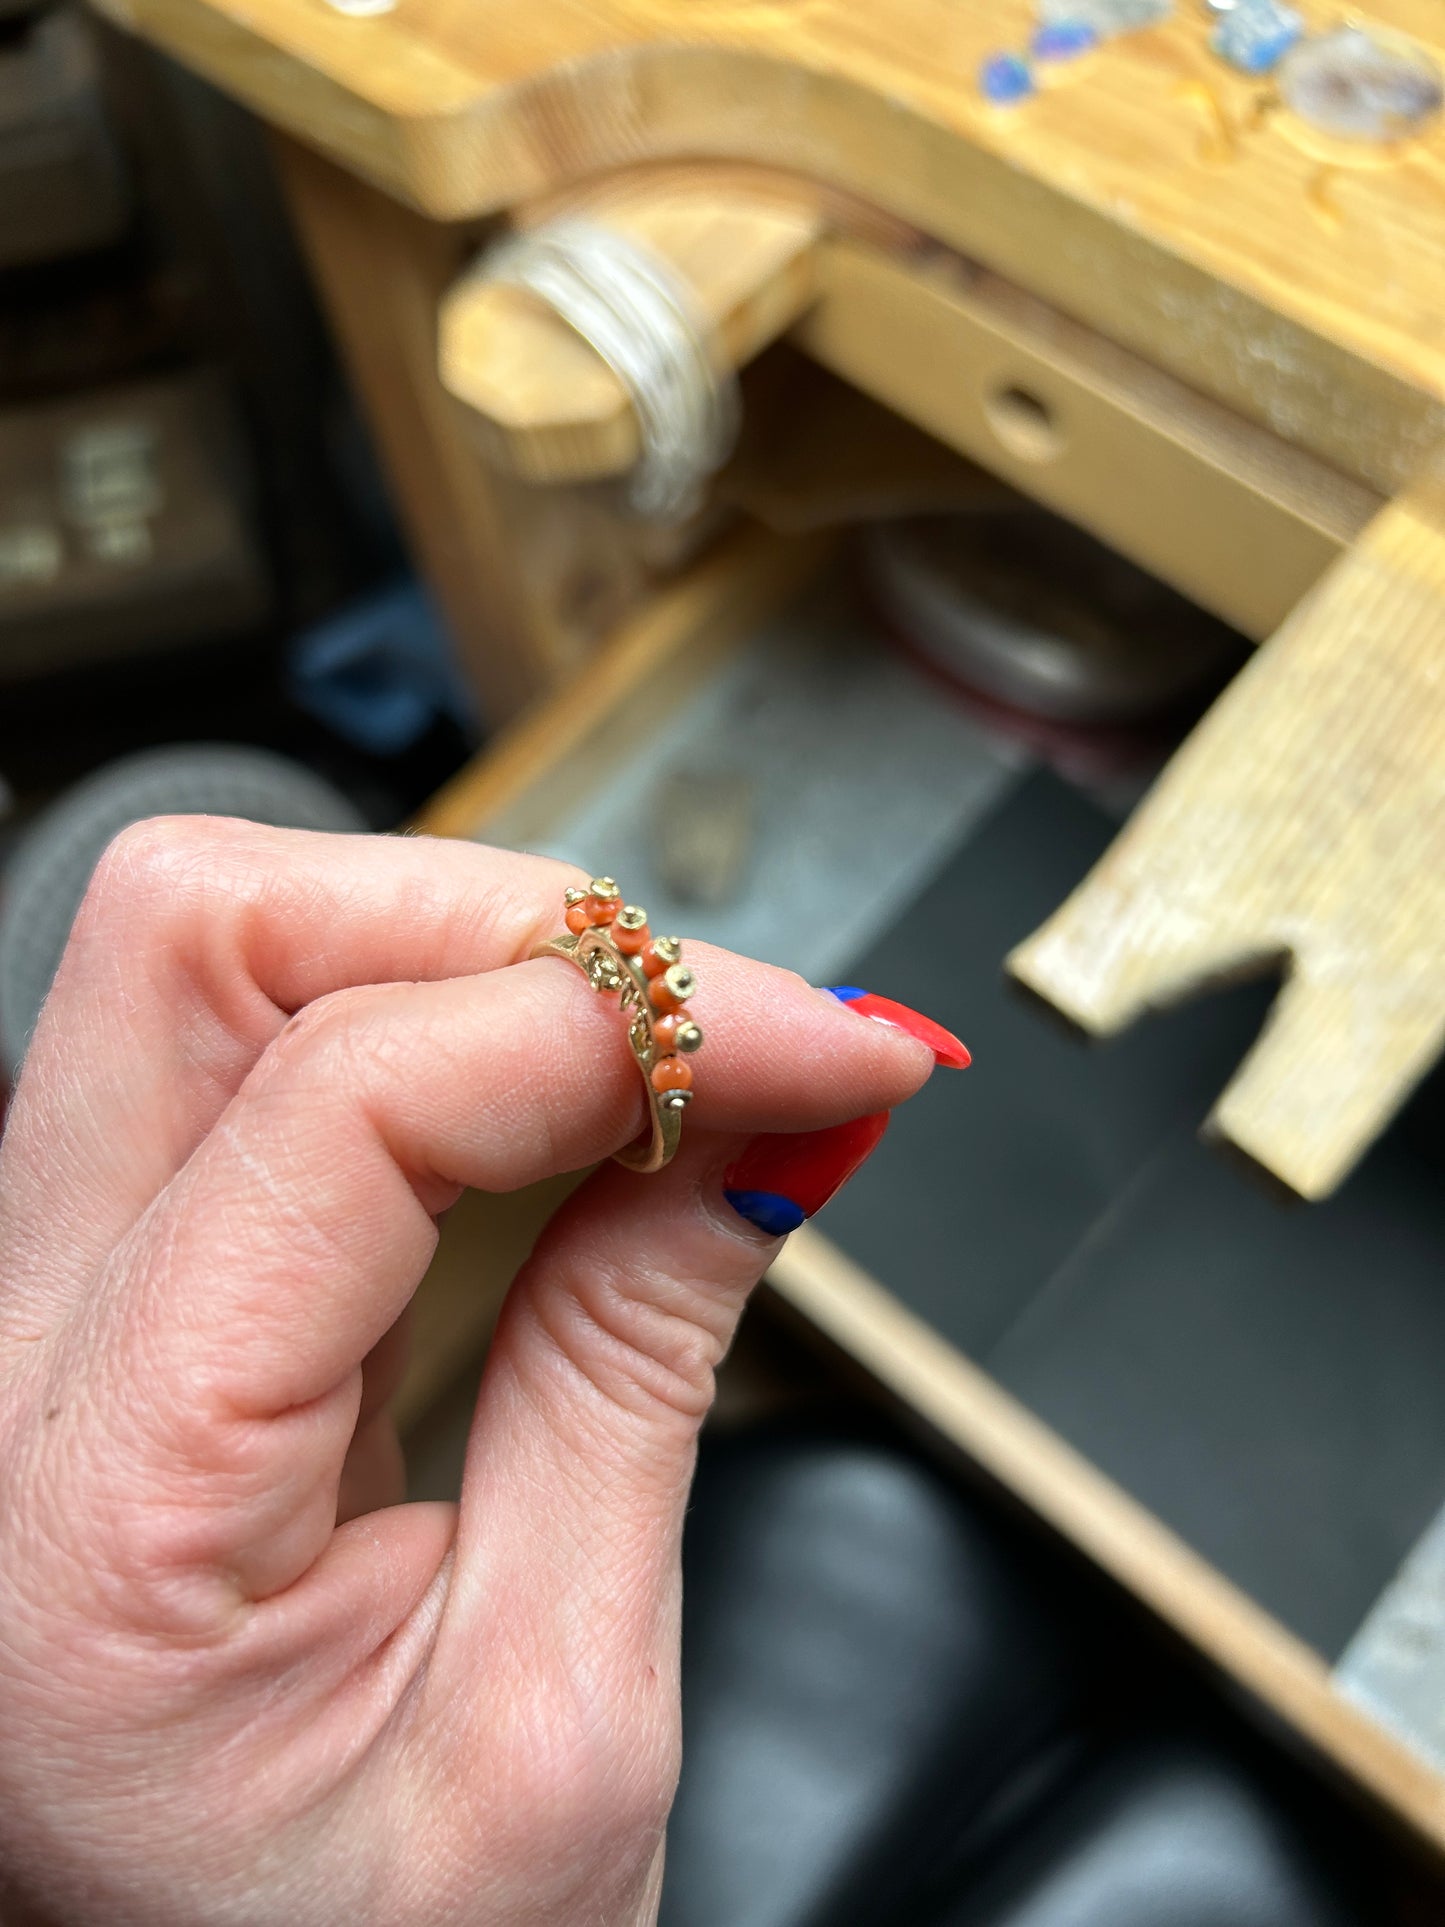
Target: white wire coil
641	319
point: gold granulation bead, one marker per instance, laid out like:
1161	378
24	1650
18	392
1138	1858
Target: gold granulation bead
630	917
604	888
689	1037
675	1100
574	896
669	949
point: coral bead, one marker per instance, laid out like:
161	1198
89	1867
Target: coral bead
660	954
664	1032
602	902
671	1074
672	989
630	932
576	920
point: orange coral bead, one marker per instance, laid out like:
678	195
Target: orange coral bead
664	1031
671	1074
629	942
659	954
671	990
576	920
601	910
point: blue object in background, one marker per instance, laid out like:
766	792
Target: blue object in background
1005	78
1256	35
380	673
1063	40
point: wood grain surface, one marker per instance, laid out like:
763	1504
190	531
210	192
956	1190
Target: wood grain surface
1228	513
1149	190
1301	827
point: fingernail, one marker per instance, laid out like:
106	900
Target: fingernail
950	1051
787	1176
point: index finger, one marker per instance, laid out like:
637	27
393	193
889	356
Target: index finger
198	938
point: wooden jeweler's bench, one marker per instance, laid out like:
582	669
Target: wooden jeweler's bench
1186	298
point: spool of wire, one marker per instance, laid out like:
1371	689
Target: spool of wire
640	318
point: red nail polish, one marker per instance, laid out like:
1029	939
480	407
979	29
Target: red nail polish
785	1177
949	1050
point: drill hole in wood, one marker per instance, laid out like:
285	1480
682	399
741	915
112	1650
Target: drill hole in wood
1025	424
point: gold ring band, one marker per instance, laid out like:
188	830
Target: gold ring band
609	942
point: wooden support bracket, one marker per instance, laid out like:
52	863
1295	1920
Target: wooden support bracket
1303	823
1228	513
544	403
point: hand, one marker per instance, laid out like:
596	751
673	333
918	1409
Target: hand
270	1060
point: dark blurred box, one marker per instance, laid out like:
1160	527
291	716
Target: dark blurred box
124	523
63	186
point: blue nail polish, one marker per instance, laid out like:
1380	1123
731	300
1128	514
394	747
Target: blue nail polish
845	993
768	1210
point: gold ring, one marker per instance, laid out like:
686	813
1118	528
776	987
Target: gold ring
611	945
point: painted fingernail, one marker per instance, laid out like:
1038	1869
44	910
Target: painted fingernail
785	1177
950	1051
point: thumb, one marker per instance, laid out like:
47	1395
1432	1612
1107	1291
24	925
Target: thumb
598	1381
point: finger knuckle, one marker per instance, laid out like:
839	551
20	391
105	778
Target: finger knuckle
639	1352
120	1546
149	862
165	913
